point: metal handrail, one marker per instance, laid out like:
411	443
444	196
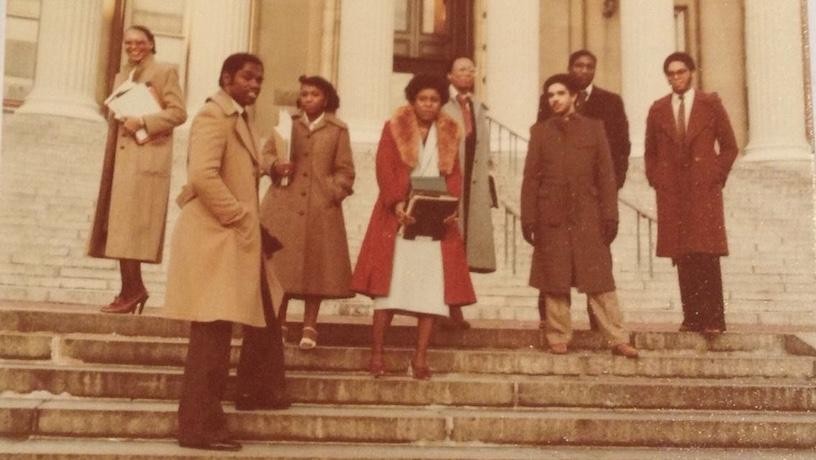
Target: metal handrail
512	216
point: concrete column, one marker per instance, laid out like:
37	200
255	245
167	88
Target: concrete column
216	31
647	37
328	43
365	66
776	87
2	72
512	86
67	56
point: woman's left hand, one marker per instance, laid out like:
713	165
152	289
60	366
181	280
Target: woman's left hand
451	219
132	124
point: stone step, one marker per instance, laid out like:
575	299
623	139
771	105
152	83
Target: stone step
161	383
559	426
79	324
139	449
525	361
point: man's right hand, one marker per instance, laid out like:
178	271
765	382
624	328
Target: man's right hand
529	234
283	169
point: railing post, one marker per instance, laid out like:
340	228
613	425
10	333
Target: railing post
637	234
651	269
506	236
514	244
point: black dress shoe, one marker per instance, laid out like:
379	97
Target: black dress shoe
246	402
225	445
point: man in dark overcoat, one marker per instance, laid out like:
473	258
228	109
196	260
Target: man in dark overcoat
600	104
690	148
569	213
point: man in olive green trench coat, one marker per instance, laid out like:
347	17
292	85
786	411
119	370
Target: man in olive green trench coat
216	275
474	157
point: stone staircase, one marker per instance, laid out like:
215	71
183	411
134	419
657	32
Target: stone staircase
80	385
48	187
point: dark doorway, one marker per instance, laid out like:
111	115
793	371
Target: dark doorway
429	33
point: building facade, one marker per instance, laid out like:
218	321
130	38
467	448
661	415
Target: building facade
61	55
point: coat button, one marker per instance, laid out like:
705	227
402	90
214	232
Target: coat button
301	213
305	174
302	193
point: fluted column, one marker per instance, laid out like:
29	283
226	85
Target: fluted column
776	87
512	86
67	56
217	29
365	65
647	37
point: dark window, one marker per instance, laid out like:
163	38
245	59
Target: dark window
429	33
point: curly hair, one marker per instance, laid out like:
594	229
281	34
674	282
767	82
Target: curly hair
680	56
565	79
332	98
425	81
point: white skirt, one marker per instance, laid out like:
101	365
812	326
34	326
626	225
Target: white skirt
417	281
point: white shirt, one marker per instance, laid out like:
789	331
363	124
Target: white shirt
454	93
312	124
688	101
588	91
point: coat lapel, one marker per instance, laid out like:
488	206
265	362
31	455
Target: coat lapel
697	117
666	117
242	129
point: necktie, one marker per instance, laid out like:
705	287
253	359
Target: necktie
466	114
681	119
582	97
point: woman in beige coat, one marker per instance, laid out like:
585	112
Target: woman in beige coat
131	208
306	214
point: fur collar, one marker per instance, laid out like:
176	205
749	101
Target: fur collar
405	131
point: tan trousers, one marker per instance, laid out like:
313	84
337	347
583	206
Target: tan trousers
607	313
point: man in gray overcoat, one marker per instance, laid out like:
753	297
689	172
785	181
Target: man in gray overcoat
569	214
474	158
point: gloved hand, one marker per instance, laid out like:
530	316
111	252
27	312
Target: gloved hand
610	231
528	231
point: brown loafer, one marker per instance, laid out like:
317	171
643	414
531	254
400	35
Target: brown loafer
625	350
558	348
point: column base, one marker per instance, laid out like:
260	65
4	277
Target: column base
65	107
777	152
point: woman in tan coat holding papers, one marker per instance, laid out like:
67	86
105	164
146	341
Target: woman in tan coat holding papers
306	214
131	208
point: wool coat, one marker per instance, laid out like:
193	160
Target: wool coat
216	261
306	215
397	155
478	228
567	194
688	177
131	207
608	107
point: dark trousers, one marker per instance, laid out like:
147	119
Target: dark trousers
260	373
701	291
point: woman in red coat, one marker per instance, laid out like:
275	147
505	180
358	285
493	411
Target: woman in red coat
419	277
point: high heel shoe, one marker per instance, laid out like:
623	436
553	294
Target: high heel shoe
419	372
309	339
376	368
134	305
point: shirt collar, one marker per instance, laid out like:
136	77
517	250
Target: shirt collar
687	96
455	92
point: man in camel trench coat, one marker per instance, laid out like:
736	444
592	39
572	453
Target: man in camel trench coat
217	275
